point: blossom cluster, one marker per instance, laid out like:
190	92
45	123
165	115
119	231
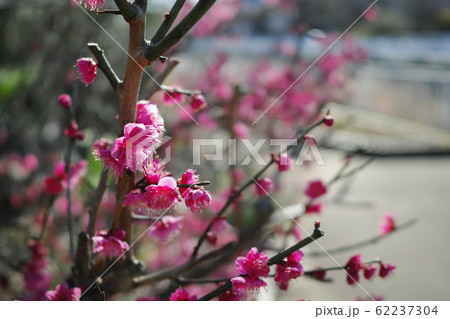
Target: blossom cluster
355	265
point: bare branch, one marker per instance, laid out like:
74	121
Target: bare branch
154	51
104	65
160	78
169	18
128	11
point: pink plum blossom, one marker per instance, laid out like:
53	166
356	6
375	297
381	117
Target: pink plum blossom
369	271
135	147
36	275
197	199
65	100
148	114
289	269
163	195
188	178
198	102
110	244
315	189
284	162
240	130
387	224
102	152
386	269
182	294
73	132
171	96
254	265
353	266
91	4
328	120
87	68
165	227
64	293
313	208
264	186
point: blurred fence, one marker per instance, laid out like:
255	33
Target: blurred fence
415	91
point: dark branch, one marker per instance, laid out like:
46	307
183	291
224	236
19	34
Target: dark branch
363	243
160	78
104	65
154	51
172	273
106	11
278	258
96	201
234	196
128	11
169	18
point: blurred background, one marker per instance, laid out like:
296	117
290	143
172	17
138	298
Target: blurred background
390	100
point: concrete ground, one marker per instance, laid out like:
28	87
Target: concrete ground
409	188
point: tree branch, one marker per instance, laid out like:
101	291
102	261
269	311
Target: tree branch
172	273
104	65
363	243
234	196
96	201
154	51
169	18
160	78
128	11
278	258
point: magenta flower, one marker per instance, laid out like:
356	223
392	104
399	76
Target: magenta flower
328	120
290	269
91	4
369	271
36	275
154	171
264	186
243	285
135	147
171	96
313	208
198	102
240	130
137	202
284	162
386	269
163	195
315	189
387	224
230	295
254	265
64	293
87	68
197	199
353	266
73	132
65	100
188	178
165	227
330	62
148	114
102	151
110	244
182	294
320	274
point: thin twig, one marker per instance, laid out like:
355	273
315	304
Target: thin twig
96	201
235	195
344	267
278	258
363	243
169	18
160	78
128	10
69	206
106	11
104	65
172	273
46	213
153	52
